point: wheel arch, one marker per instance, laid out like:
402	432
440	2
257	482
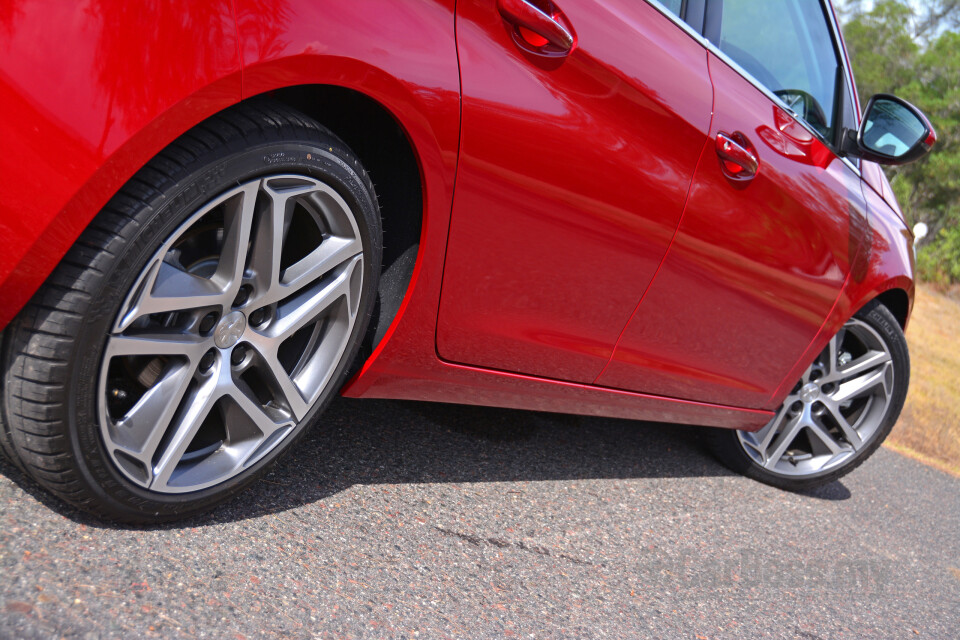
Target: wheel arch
80	121
388	154
378	137
896	294
897	301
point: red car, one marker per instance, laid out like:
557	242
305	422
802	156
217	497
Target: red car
216	215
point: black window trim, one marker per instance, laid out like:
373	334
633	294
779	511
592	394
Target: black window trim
712	19
693	13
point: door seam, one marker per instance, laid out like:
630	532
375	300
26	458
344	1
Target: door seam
676	231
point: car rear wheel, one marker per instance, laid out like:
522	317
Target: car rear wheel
200	323
836	415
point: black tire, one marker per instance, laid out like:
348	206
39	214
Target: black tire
7	450
726	445
54	348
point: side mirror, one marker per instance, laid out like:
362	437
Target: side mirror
893	132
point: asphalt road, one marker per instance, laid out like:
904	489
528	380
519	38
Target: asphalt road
417	520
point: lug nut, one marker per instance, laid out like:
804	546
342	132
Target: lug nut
207	361
796	407
816	374
243	295
828	388
208	323
258	317
238	354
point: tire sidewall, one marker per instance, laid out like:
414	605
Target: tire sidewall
149	229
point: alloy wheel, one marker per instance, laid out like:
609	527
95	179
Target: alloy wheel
230	334
834	411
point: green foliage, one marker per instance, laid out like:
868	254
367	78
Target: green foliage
881	48
917	56
939	261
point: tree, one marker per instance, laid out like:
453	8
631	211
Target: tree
915	53
927	18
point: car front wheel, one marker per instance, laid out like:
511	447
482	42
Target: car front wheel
200	323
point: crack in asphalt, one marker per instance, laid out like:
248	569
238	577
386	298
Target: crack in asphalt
503	544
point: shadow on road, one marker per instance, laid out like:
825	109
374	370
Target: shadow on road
392	442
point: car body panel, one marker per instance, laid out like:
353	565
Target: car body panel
437	381
764	260
886	264
889	262
401	54
419	85
572	177
74	105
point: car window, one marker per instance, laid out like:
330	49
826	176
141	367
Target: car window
786	45
673	6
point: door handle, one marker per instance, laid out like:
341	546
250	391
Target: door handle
542	30
737	156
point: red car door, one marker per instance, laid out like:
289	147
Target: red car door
572	177
760	257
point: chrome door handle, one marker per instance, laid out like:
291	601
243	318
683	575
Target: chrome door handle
526	15
737	156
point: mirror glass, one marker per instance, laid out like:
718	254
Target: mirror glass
891	128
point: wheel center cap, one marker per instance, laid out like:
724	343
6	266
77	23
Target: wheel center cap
229	330
810	392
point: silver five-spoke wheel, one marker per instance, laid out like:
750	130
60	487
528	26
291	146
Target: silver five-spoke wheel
836	415
230	333
833	411
201	323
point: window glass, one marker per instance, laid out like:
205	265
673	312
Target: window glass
673	6
786	45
